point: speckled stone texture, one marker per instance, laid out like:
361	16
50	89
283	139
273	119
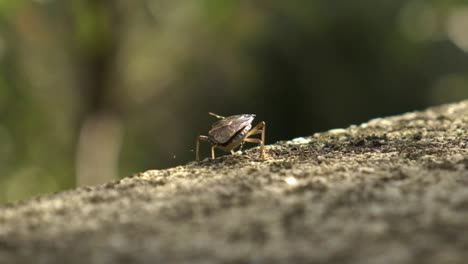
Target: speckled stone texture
393	190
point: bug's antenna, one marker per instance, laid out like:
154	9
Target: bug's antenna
215	115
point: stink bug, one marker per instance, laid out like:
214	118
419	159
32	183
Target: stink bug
231	132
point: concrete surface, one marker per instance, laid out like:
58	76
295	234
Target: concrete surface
393	190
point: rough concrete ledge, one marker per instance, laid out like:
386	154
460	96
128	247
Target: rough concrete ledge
393	190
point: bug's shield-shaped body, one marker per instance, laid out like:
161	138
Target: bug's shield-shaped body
230	130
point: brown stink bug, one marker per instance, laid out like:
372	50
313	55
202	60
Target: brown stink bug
231	132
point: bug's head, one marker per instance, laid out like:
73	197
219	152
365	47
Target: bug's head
246	117
250	115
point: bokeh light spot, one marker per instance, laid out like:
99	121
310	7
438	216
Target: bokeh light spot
457	28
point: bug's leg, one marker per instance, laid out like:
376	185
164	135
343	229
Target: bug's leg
262	146
212	152
253	140
259	128
197	150
258	141
241	146
215	115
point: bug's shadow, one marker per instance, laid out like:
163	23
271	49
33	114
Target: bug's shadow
230	159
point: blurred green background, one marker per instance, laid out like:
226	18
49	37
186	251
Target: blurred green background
95	90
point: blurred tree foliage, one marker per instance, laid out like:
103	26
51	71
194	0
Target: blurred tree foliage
92	90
